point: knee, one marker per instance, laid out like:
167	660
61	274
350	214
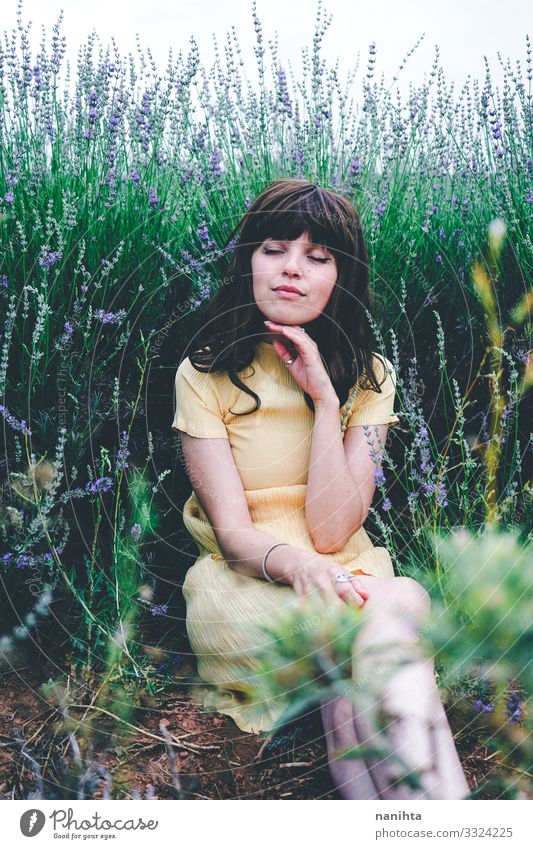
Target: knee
412	597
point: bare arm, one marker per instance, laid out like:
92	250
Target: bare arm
340	484
218	487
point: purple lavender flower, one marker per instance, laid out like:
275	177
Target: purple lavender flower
515	707
114	122
380	208
136	532
24	560
193	264
135	176
123	452
9	197
49	258
153	198
12	421
379	477
441	495
159	610
4	282
203	232
97	486
486	707
215	162
232	244
298	156
283	98
170	662
110	317
386	504
438	259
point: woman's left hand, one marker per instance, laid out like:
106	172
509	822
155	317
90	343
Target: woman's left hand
307	367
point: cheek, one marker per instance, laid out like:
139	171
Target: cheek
324	291
258	271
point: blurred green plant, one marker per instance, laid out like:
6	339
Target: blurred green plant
483	630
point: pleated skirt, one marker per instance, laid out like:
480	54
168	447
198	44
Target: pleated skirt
227	611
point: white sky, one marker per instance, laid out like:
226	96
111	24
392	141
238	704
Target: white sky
465	30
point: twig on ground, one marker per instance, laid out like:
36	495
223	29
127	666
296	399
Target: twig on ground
176	781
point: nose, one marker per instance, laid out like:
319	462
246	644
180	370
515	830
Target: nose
292	265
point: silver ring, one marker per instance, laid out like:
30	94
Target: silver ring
288	362
302	329
342	577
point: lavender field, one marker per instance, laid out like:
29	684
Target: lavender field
120	186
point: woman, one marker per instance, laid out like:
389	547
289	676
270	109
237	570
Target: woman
270	406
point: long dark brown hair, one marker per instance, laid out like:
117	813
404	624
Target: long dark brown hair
284	210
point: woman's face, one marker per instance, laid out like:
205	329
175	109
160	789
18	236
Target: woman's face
298	264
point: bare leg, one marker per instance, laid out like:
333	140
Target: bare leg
350	776
405	690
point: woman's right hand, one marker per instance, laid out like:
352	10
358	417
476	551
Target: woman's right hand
316	573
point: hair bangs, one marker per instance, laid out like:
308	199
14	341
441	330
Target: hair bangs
311	211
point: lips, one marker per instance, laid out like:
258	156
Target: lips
287	289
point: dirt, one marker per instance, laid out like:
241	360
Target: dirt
213	758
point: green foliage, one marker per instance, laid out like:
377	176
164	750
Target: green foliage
308	655
487	605
483	631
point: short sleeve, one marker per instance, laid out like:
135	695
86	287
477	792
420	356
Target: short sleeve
197	409
373	408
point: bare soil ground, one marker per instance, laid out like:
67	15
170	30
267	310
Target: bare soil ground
213	758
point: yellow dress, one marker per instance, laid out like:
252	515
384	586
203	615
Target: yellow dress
271	447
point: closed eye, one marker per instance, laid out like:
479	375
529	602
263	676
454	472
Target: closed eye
271	251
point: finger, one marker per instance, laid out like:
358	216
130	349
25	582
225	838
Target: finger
281	350
299	339
327	590
349	595
359	589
